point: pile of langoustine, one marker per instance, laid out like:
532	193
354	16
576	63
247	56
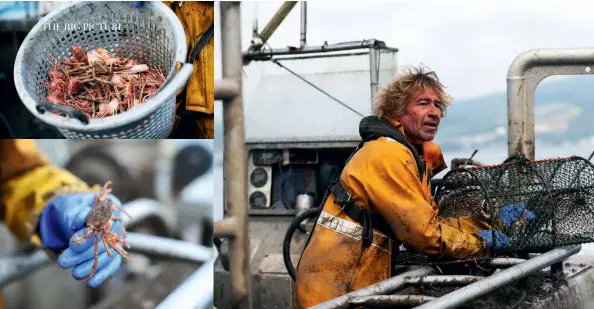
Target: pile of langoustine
99	84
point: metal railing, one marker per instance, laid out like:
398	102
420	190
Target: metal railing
525	73
234	226
474	286
195	292
498	280
20	264
229	90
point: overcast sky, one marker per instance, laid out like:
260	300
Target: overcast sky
470	44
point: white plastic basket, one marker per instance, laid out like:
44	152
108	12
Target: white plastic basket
152	29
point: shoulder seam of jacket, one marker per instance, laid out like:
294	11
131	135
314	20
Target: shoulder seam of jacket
403	148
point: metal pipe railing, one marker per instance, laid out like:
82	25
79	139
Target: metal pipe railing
303	36
143	210
195	292
381	288
20	264
524	75
498	280
225	227
376	294
167	248
226	89
391	300
337	55
502	262
373	72
443	280
235	159
265	54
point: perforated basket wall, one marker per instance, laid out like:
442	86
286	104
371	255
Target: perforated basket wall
560	192
116	25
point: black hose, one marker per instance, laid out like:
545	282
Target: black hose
283	187
310	213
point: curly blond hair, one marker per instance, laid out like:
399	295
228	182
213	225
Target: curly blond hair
391	100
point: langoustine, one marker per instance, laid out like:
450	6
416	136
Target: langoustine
99	83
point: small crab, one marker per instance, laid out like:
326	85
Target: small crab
99	221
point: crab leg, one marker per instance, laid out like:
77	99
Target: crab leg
116	218
121	251
105	191
123	211
98	71
95	260
105	245
79	239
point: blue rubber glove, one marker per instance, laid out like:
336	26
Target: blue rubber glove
511	213
501	238
65	216
138	4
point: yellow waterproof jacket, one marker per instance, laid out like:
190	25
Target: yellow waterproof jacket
198	95
27	183
382	177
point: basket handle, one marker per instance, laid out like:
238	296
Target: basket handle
43	106
178	80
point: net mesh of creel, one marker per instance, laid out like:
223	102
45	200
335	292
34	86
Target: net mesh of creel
559	193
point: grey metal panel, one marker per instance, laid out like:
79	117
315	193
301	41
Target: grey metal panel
315	143
320	139
275	292
286	108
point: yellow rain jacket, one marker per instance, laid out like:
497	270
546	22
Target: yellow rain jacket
381	177
27	183
198	95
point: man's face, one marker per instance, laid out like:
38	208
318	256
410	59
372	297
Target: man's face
422	116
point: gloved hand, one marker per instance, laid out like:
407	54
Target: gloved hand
501	239
511	213
138	4
65	216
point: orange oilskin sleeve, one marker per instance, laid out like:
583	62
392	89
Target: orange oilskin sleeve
27	182
388	174
197	17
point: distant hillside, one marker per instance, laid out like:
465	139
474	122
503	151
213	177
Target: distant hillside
564	112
